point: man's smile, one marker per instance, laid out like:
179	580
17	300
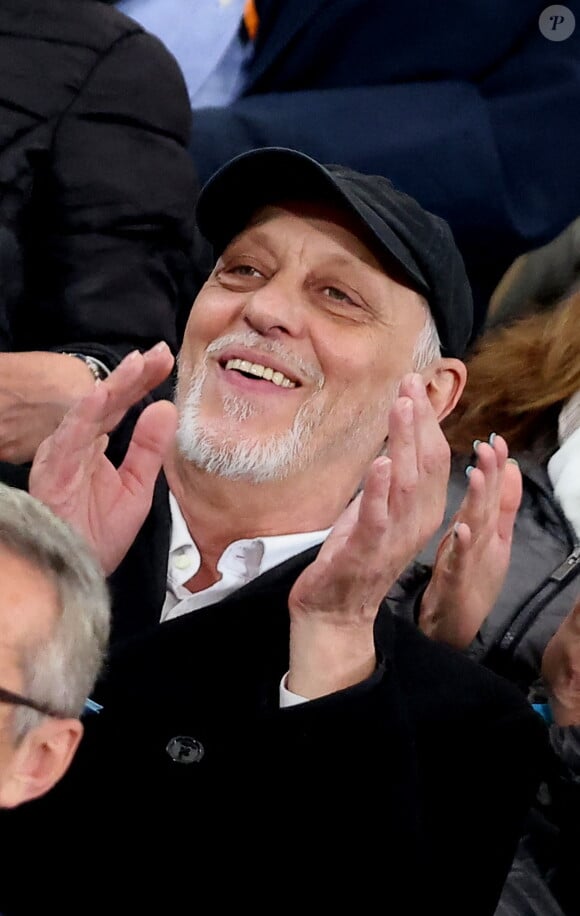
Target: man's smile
256	370
252	370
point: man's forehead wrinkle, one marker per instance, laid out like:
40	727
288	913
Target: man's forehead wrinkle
34	594
252	232
18	642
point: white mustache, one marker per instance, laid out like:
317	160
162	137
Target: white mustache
272	347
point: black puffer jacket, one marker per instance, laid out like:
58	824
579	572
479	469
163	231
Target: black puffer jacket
97	188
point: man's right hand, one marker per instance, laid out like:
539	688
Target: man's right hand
72	475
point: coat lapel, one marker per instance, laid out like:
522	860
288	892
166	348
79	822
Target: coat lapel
138	585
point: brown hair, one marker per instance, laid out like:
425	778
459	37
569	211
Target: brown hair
518	378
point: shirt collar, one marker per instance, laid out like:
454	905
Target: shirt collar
247	558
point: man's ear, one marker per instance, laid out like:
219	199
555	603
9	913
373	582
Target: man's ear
445	382
39	761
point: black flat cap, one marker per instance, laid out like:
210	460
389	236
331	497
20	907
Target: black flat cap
417	243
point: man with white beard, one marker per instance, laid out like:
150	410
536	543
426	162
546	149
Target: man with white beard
263	708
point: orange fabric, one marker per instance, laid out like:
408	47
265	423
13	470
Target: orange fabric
251	19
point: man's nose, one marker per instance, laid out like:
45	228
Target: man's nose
275	308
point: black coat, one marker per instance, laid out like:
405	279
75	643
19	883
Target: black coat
411	786
96	186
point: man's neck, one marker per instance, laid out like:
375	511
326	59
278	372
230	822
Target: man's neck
218	511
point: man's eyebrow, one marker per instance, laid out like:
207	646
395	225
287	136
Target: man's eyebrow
357	271
257	233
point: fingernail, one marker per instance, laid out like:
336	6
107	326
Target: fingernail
492	438
132	355
513	461
456	530
158	348
468	470
476	442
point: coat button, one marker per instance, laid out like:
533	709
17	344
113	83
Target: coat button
183	749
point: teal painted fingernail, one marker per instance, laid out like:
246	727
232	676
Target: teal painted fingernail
476	442
492	438
456	530
468	470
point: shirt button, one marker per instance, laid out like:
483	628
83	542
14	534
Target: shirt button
182	561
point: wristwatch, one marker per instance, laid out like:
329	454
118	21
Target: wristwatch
99	370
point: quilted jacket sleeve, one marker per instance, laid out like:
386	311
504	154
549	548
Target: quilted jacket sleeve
114	230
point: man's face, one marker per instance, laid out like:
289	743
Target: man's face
28	609
294	349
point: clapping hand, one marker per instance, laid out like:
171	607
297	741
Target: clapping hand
333	604
72	474
473	556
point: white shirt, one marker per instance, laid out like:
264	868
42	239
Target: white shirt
564	465
240	562
203	36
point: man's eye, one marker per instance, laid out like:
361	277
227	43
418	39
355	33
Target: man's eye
244	270
338	294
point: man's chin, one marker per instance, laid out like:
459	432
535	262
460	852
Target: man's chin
253	458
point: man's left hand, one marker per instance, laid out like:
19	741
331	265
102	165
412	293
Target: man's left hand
333	604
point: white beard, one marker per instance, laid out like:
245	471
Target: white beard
232	455
224	450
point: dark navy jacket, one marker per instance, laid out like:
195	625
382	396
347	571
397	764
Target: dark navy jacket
464	104
96	186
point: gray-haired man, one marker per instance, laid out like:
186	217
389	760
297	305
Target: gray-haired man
54	627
